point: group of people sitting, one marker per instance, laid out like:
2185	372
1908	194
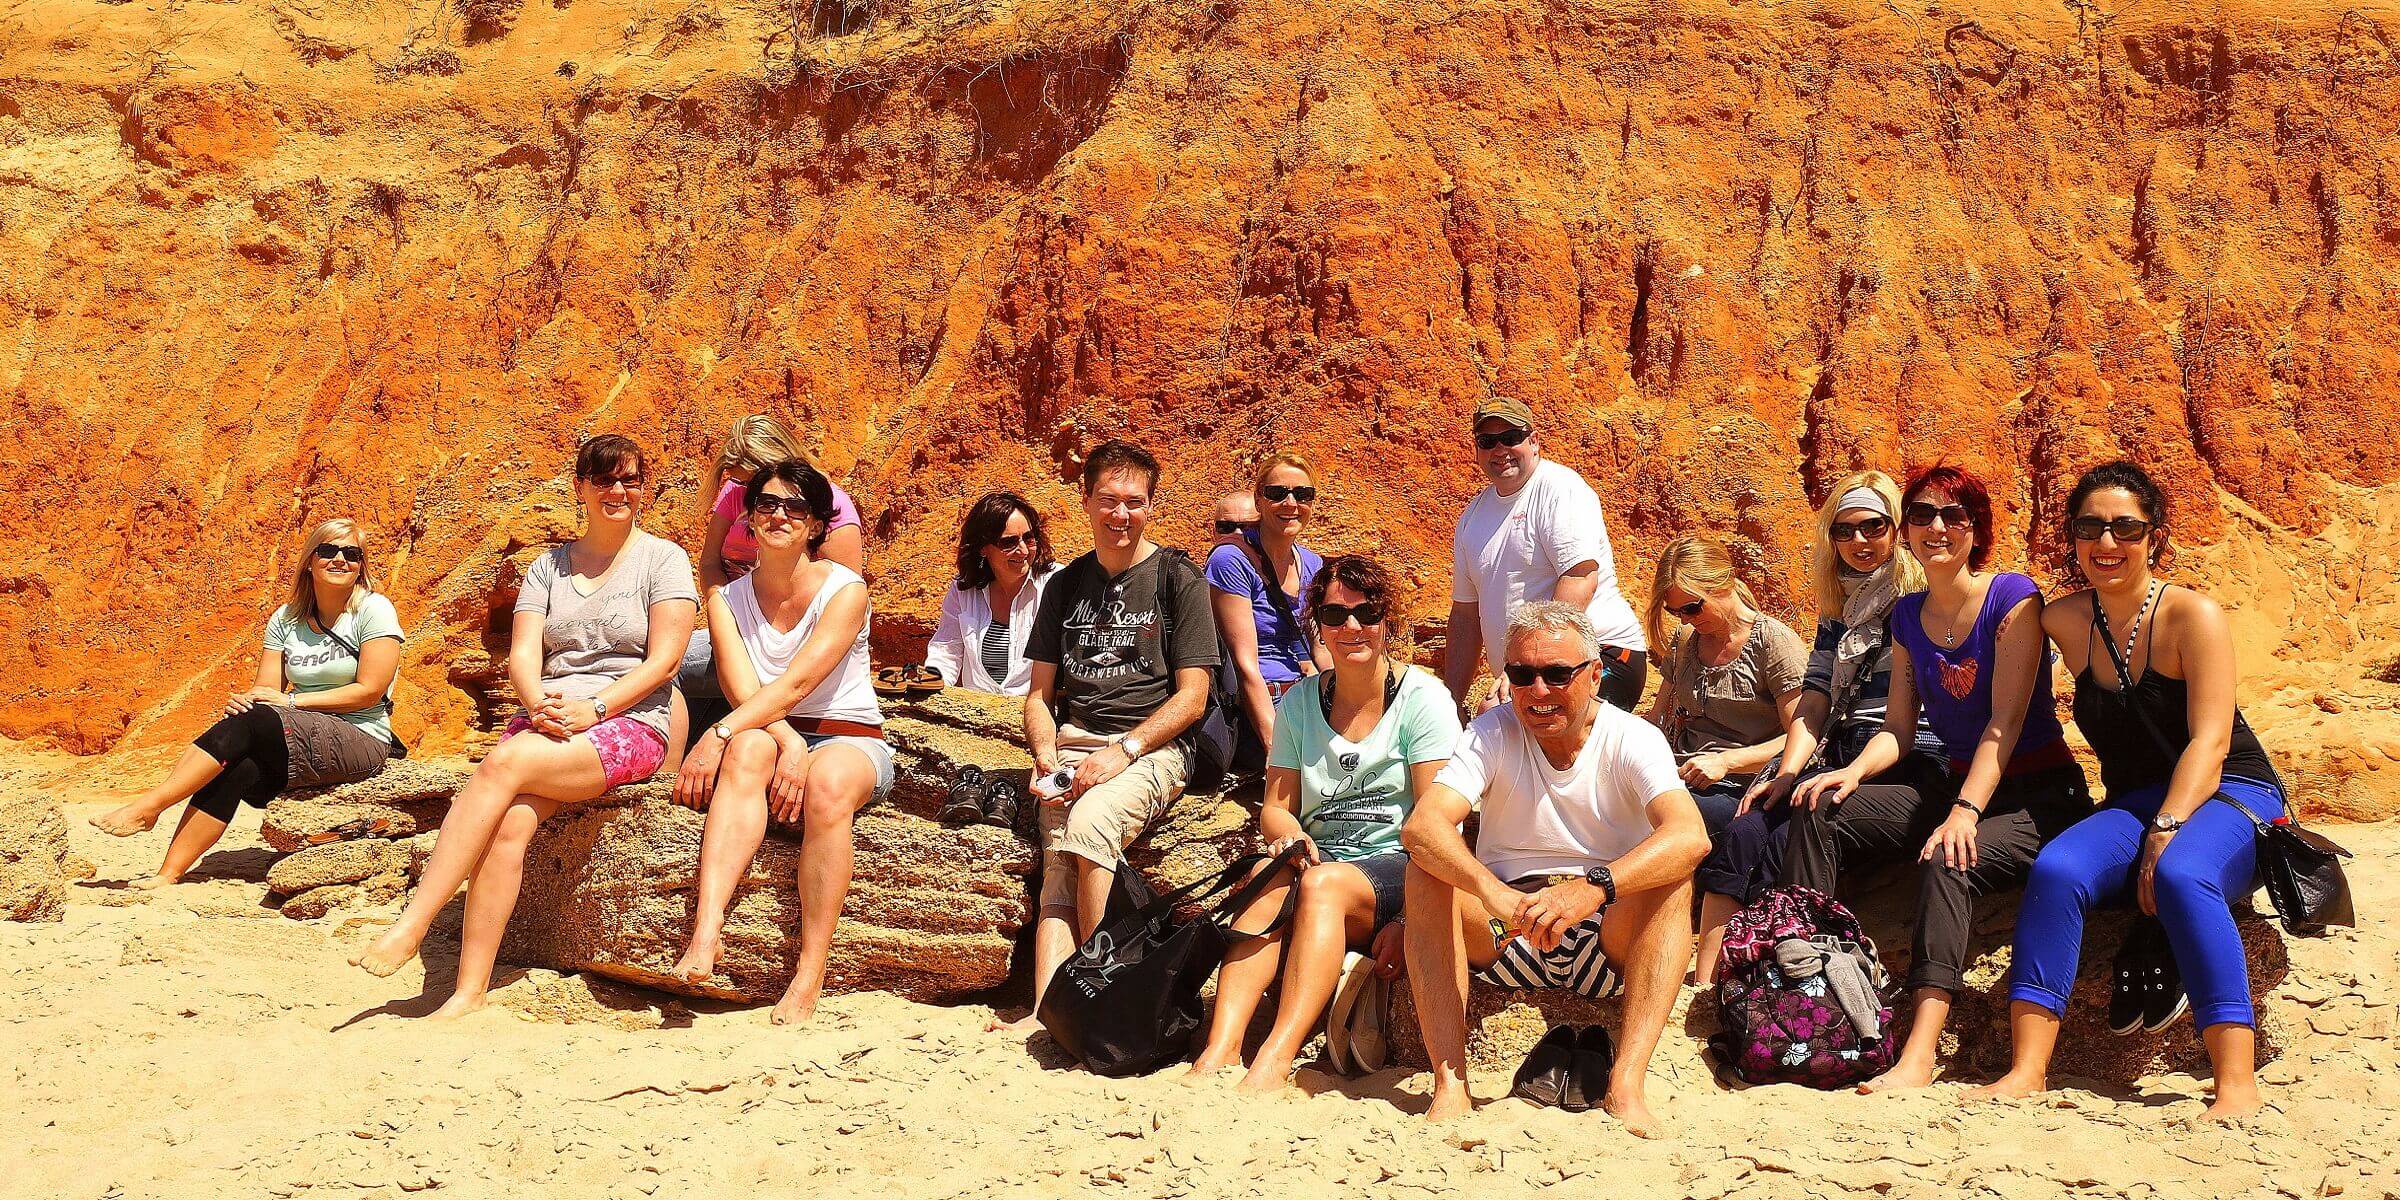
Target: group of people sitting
1918	729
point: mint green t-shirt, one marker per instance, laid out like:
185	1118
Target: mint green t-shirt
1354	796
313	662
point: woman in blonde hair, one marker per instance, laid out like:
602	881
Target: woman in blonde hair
728	550
1255	583
318	713
1732	679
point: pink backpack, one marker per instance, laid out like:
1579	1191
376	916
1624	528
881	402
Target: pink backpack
1776	1030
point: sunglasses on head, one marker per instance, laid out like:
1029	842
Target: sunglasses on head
1277	493
1506	437
1687	611
1956	516
329	552
791	506
1010	543
1334	616
1225	526
1860	531
2124	529
1557	675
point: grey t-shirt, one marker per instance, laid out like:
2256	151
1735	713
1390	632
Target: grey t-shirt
1727	707
589	642
1118	642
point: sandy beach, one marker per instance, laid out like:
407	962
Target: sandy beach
194	1043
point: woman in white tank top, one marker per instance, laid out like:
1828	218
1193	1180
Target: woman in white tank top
804	742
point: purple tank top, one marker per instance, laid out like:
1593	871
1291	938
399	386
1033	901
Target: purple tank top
1954	687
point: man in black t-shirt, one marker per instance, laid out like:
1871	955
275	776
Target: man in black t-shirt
1122	651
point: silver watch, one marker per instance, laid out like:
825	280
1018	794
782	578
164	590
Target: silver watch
2163	823
599	710
723	734
1133	747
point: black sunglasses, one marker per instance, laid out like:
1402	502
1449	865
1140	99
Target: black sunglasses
1010	543
1953	515
1687	611
1557	675
329	552
1276	493
1506	437
1334	616
795	507
1225	526
1859	531
2124	529
631	483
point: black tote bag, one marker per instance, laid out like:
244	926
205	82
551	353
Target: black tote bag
1128	1000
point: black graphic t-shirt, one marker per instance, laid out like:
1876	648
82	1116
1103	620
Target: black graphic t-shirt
1116	664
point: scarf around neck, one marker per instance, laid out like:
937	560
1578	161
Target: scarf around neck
1866	599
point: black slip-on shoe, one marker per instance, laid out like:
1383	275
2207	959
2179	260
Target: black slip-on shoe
1587	1080
1543	1077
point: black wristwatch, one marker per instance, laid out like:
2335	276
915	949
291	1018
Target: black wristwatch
1600	878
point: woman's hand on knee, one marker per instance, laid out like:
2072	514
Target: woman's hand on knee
787	792
697	781
1390	949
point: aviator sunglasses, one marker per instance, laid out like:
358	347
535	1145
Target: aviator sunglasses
1557	675
1860	531
2124	529
1506	437
1010	543
1334	616
1277	493
329	552
1687	611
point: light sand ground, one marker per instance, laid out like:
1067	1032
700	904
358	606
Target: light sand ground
196	1044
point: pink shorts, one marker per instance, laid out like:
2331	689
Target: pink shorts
629	750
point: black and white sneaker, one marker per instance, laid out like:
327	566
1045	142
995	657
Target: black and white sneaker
2144	983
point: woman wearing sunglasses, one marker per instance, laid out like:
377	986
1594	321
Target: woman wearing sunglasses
319	712
1859	574
1967	656
1004	560
2154	683
804	742
600	624
1252	584
1353	749
728	550
1731	683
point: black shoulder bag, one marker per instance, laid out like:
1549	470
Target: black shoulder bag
1128	1000
2301	868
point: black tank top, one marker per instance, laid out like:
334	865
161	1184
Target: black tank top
2130	758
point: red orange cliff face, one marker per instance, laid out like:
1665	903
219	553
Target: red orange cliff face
264	263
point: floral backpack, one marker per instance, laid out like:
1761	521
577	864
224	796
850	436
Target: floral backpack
1776	1029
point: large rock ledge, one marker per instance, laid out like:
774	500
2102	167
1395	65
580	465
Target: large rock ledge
934	912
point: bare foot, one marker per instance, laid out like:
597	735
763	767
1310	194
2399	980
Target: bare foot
1210	1062
155	881
125	822
699	961
1632	1112
1903	1076
385	956
458	1005
1029	1023
1266	1079
1450	1103
796	1007
2011	1086
2232	1106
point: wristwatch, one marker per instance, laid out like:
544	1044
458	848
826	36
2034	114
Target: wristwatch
1600	878
599	710
1133	747
2163	823
723	734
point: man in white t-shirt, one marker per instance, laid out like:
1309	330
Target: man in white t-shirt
1585	856
1536	534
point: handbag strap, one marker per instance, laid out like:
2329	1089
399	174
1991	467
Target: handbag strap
2125	680
1233	905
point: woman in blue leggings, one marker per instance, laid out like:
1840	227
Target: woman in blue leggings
2154	680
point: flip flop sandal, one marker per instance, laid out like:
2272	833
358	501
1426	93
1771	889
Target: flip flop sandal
1355	969
1587	1079
892	681
356	829
1543	1077
1370	1050
921	682
1001	800
965	806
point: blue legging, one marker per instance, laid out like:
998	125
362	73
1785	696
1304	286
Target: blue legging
2212	860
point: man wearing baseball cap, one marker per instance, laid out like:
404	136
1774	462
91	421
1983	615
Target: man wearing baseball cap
1536	533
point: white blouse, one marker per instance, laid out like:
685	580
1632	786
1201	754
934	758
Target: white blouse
957	647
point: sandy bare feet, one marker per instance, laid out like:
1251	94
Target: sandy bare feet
1029	1023
2011	1086
1450	1103
1903	1076
125	822
796	1007
1263	1080
386	955
155	881
2231	1107
699	961
1633	1113
458	1005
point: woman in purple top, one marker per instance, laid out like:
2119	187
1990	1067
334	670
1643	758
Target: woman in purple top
1968	655
1255	583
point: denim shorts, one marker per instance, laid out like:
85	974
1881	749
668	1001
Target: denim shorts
878	752
1387	877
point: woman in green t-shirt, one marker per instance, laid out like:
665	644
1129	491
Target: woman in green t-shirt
1346	767
318	714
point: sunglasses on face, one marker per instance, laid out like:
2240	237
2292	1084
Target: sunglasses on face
1334	616
1506	437
791	506
2124	529
1687	611
1557	675
329	552
1010	543
631	483
1277	493
1230	527
1860	531
1954	516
